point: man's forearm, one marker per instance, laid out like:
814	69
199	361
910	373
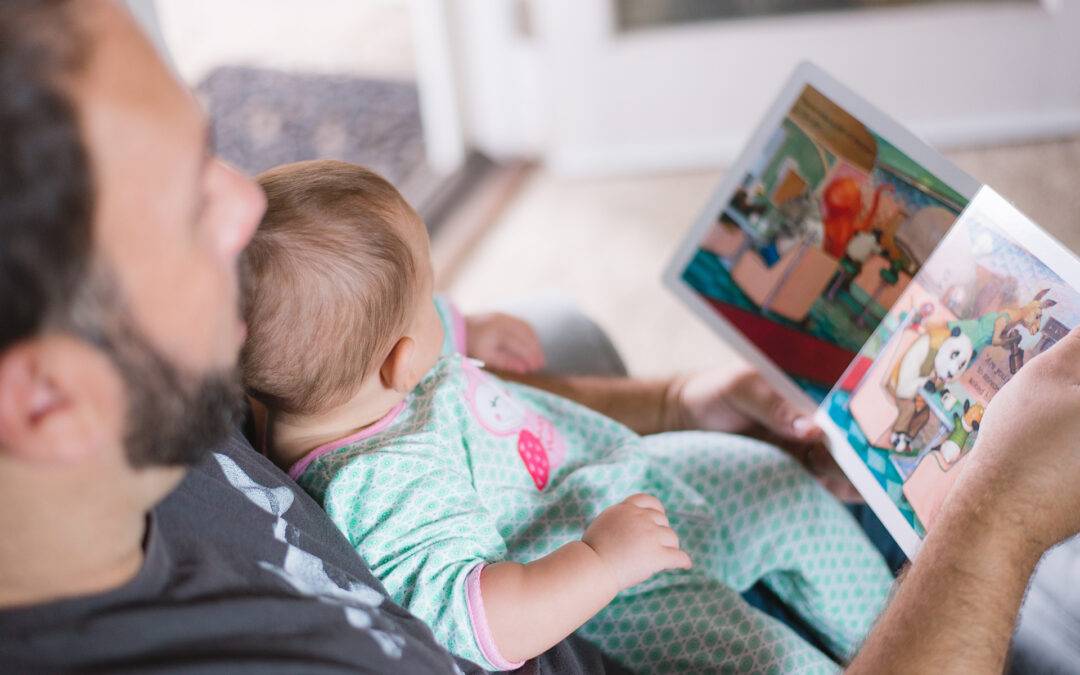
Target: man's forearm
955	609
646	406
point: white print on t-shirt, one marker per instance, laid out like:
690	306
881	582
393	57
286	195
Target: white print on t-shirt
304	571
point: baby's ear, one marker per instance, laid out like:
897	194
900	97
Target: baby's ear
397	370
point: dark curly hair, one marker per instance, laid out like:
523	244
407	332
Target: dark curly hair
46	191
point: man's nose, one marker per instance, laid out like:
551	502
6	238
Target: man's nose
246	204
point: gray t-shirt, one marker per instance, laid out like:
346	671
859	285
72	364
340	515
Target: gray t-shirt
243	572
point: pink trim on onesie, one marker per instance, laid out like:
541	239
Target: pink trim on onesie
297	469
475	602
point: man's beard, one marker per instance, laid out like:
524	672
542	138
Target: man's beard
173	417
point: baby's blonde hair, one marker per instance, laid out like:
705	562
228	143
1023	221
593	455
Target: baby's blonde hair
328	283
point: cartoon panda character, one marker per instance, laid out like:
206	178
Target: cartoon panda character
539	444
938	356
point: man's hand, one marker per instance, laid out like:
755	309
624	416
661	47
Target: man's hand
635	540
744	402
1025	466
737	402
503	342
1016	496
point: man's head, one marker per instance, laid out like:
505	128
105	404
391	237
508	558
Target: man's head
119	232
337	291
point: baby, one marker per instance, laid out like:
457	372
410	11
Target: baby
504	516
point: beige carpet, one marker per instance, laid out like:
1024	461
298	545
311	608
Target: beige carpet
605	242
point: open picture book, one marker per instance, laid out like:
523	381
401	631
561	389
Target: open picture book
877	285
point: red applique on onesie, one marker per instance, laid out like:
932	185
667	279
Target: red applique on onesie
534	455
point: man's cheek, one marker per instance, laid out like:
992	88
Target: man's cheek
203	319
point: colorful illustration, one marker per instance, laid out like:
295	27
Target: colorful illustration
820	238
911	403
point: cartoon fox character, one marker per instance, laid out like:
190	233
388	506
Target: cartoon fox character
843	201
1029	316
1001	328
963	427
939	355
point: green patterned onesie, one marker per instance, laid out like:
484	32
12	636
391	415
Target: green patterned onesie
471	470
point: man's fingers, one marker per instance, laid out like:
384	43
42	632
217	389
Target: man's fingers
644	501
805	428
822	464
788	422
769	408
819	460
660	519
793	423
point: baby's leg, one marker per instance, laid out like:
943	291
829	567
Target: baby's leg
692	624
772	521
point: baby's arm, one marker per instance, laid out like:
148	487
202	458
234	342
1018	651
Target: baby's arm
411	509
531	607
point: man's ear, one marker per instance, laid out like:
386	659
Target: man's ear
397	370
45	415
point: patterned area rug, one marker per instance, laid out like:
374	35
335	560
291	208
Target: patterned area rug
262	118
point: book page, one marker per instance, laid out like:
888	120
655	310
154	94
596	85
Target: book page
903	419
816	232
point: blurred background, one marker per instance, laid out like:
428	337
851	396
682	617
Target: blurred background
565	146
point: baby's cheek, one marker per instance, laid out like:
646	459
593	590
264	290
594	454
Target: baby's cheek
431	337
437	330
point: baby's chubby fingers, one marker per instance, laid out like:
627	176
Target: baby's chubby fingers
635	540
646	501
523	341
666	537
677	559
525	361
509	360
659	518
503	341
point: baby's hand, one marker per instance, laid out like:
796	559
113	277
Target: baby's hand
503	342
635	540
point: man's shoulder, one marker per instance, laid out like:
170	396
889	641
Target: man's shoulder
244	573
242	569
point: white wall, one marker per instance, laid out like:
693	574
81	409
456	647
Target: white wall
596	101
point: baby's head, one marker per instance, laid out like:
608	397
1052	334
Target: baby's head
337	292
